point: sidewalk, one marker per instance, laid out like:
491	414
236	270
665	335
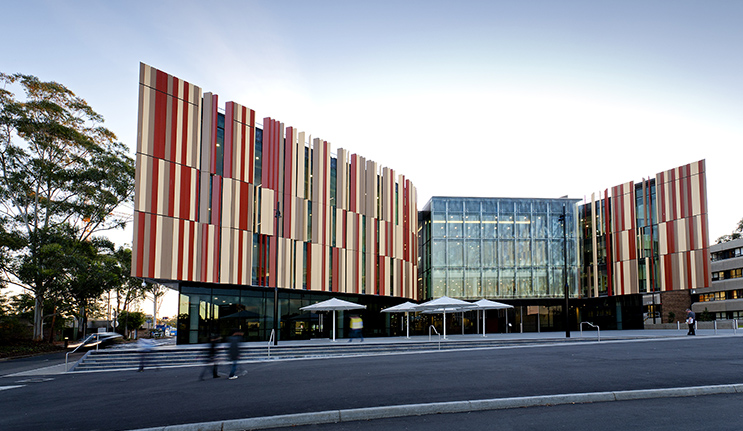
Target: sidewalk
55	364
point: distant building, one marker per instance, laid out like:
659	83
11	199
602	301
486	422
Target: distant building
724	298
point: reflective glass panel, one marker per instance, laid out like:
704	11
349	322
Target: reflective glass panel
438	253
506	283
540	253
455	253
505	226
438	228
541	283
540	229
438	279
472	284
522	226
455	226
488	254
456	283
489	226
506	253
523	283
472	225
473	253
490	282
523	253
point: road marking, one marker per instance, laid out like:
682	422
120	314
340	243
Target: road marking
35	380
2	388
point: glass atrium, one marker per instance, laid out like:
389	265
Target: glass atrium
505	248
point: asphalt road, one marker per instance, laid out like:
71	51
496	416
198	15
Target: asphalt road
130	400
717	412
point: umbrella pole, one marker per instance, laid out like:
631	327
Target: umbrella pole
407	324
444	324
333	325
483	323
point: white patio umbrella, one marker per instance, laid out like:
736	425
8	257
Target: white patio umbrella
405	307
486	304
444	304
333	304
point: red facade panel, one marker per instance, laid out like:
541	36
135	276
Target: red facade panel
185	124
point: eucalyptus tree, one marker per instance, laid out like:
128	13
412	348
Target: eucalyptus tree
58	167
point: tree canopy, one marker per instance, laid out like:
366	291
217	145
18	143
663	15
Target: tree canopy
62	175
736	234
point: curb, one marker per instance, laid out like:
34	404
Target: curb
369	413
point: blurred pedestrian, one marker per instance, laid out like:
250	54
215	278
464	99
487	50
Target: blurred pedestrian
234	352
357	325
211	358
146	346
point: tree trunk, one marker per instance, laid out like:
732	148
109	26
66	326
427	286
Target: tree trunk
82	327
39	318
51	329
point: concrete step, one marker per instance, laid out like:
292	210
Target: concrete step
189	356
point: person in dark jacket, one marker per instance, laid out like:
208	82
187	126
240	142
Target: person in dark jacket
691	319
234	351
211	358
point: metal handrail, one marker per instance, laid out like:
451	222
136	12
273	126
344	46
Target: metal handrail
66	357
437	333
270	341
598	330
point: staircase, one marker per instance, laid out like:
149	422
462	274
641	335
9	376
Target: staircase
194	355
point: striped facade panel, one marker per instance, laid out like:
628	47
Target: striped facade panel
200	205
623	239
677	211
682	210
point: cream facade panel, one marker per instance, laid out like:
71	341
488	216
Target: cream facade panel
316	273
662	239
206	132
342	179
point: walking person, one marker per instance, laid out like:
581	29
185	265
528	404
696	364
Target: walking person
234	352
357	325
211	358
146	346
691	319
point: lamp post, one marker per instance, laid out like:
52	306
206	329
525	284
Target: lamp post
564	219
277	214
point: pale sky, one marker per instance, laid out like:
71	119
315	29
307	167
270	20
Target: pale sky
465	98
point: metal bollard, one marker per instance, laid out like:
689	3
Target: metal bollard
715	327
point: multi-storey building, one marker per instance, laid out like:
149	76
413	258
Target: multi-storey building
724	298
233	214
250	221
648	238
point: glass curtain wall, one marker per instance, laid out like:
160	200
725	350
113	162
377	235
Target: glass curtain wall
220	310
498	248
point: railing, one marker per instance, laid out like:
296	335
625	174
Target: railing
67	356
735	326
437	333
598	330
270	341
